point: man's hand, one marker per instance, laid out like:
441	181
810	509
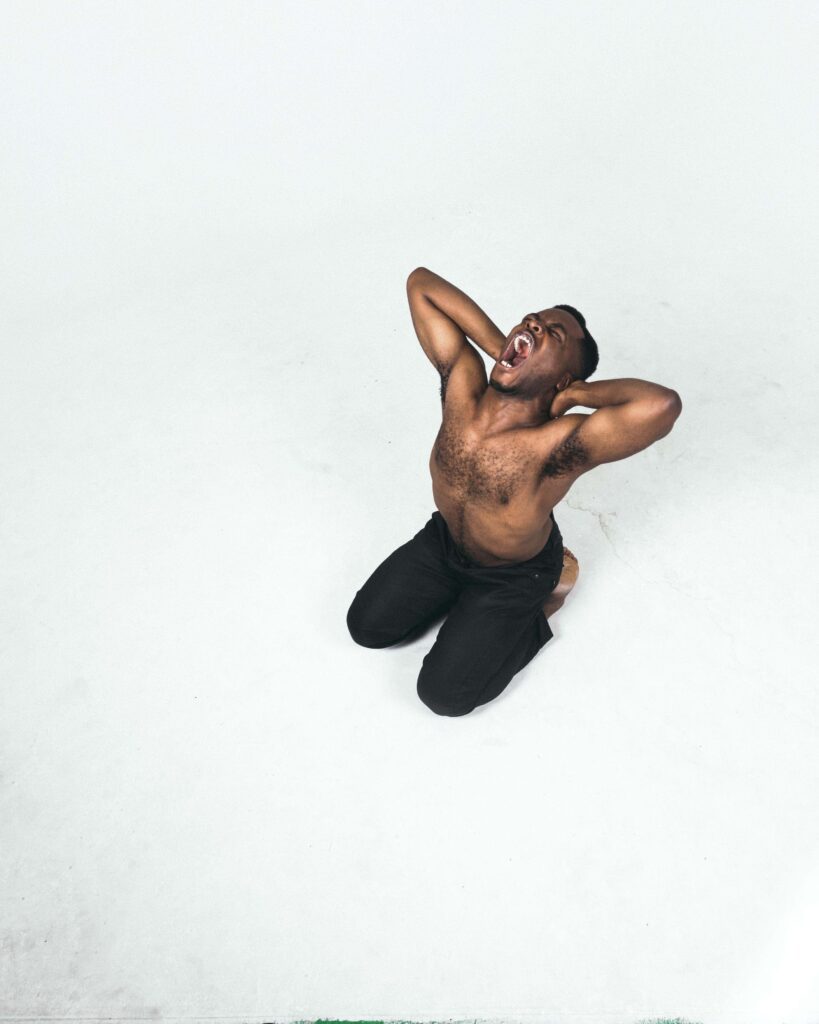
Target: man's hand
562	402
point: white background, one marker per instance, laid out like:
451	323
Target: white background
216	421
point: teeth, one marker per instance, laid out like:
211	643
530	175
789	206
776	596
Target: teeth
504	363
520	342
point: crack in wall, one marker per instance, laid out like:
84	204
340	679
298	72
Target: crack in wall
698	603
604	527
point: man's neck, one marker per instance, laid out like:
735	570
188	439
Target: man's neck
498	412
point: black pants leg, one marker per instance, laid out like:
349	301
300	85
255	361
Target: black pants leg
489	635
494	626
410	589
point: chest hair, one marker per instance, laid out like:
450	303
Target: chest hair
491	472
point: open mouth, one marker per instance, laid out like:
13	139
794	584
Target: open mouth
517	351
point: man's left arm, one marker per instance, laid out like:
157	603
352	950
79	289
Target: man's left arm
631	414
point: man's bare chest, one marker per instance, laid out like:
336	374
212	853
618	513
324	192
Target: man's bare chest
517	464
475	469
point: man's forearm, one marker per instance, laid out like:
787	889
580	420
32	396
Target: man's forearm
462	310
598	393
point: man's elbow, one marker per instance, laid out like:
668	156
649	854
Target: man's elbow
413	275
674	404
669	410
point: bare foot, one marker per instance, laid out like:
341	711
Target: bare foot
568	578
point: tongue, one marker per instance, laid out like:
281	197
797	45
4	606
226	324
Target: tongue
518	359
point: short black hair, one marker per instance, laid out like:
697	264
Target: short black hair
589	355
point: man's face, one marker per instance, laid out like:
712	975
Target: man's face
549	349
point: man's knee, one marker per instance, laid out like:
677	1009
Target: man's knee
365	634
440	702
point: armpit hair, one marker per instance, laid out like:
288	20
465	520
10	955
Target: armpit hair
444	372
568	455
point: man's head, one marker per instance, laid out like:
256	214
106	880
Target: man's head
555	348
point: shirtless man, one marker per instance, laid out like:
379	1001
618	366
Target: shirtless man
508	450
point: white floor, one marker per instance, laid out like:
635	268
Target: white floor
216	421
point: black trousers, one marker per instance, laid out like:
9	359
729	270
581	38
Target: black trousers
494	617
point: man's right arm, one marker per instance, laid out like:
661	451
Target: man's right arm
444	316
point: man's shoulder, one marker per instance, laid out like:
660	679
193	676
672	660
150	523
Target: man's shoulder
465	379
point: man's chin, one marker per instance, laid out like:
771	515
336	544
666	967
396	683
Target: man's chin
498	386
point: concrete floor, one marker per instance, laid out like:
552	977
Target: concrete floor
216	422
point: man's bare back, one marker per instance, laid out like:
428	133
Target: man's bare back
507	450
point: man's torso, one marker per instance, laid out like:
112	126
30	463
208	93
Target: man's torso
496	493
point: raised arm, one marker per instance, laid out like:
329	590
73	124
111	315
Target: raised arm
631	414
444	317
